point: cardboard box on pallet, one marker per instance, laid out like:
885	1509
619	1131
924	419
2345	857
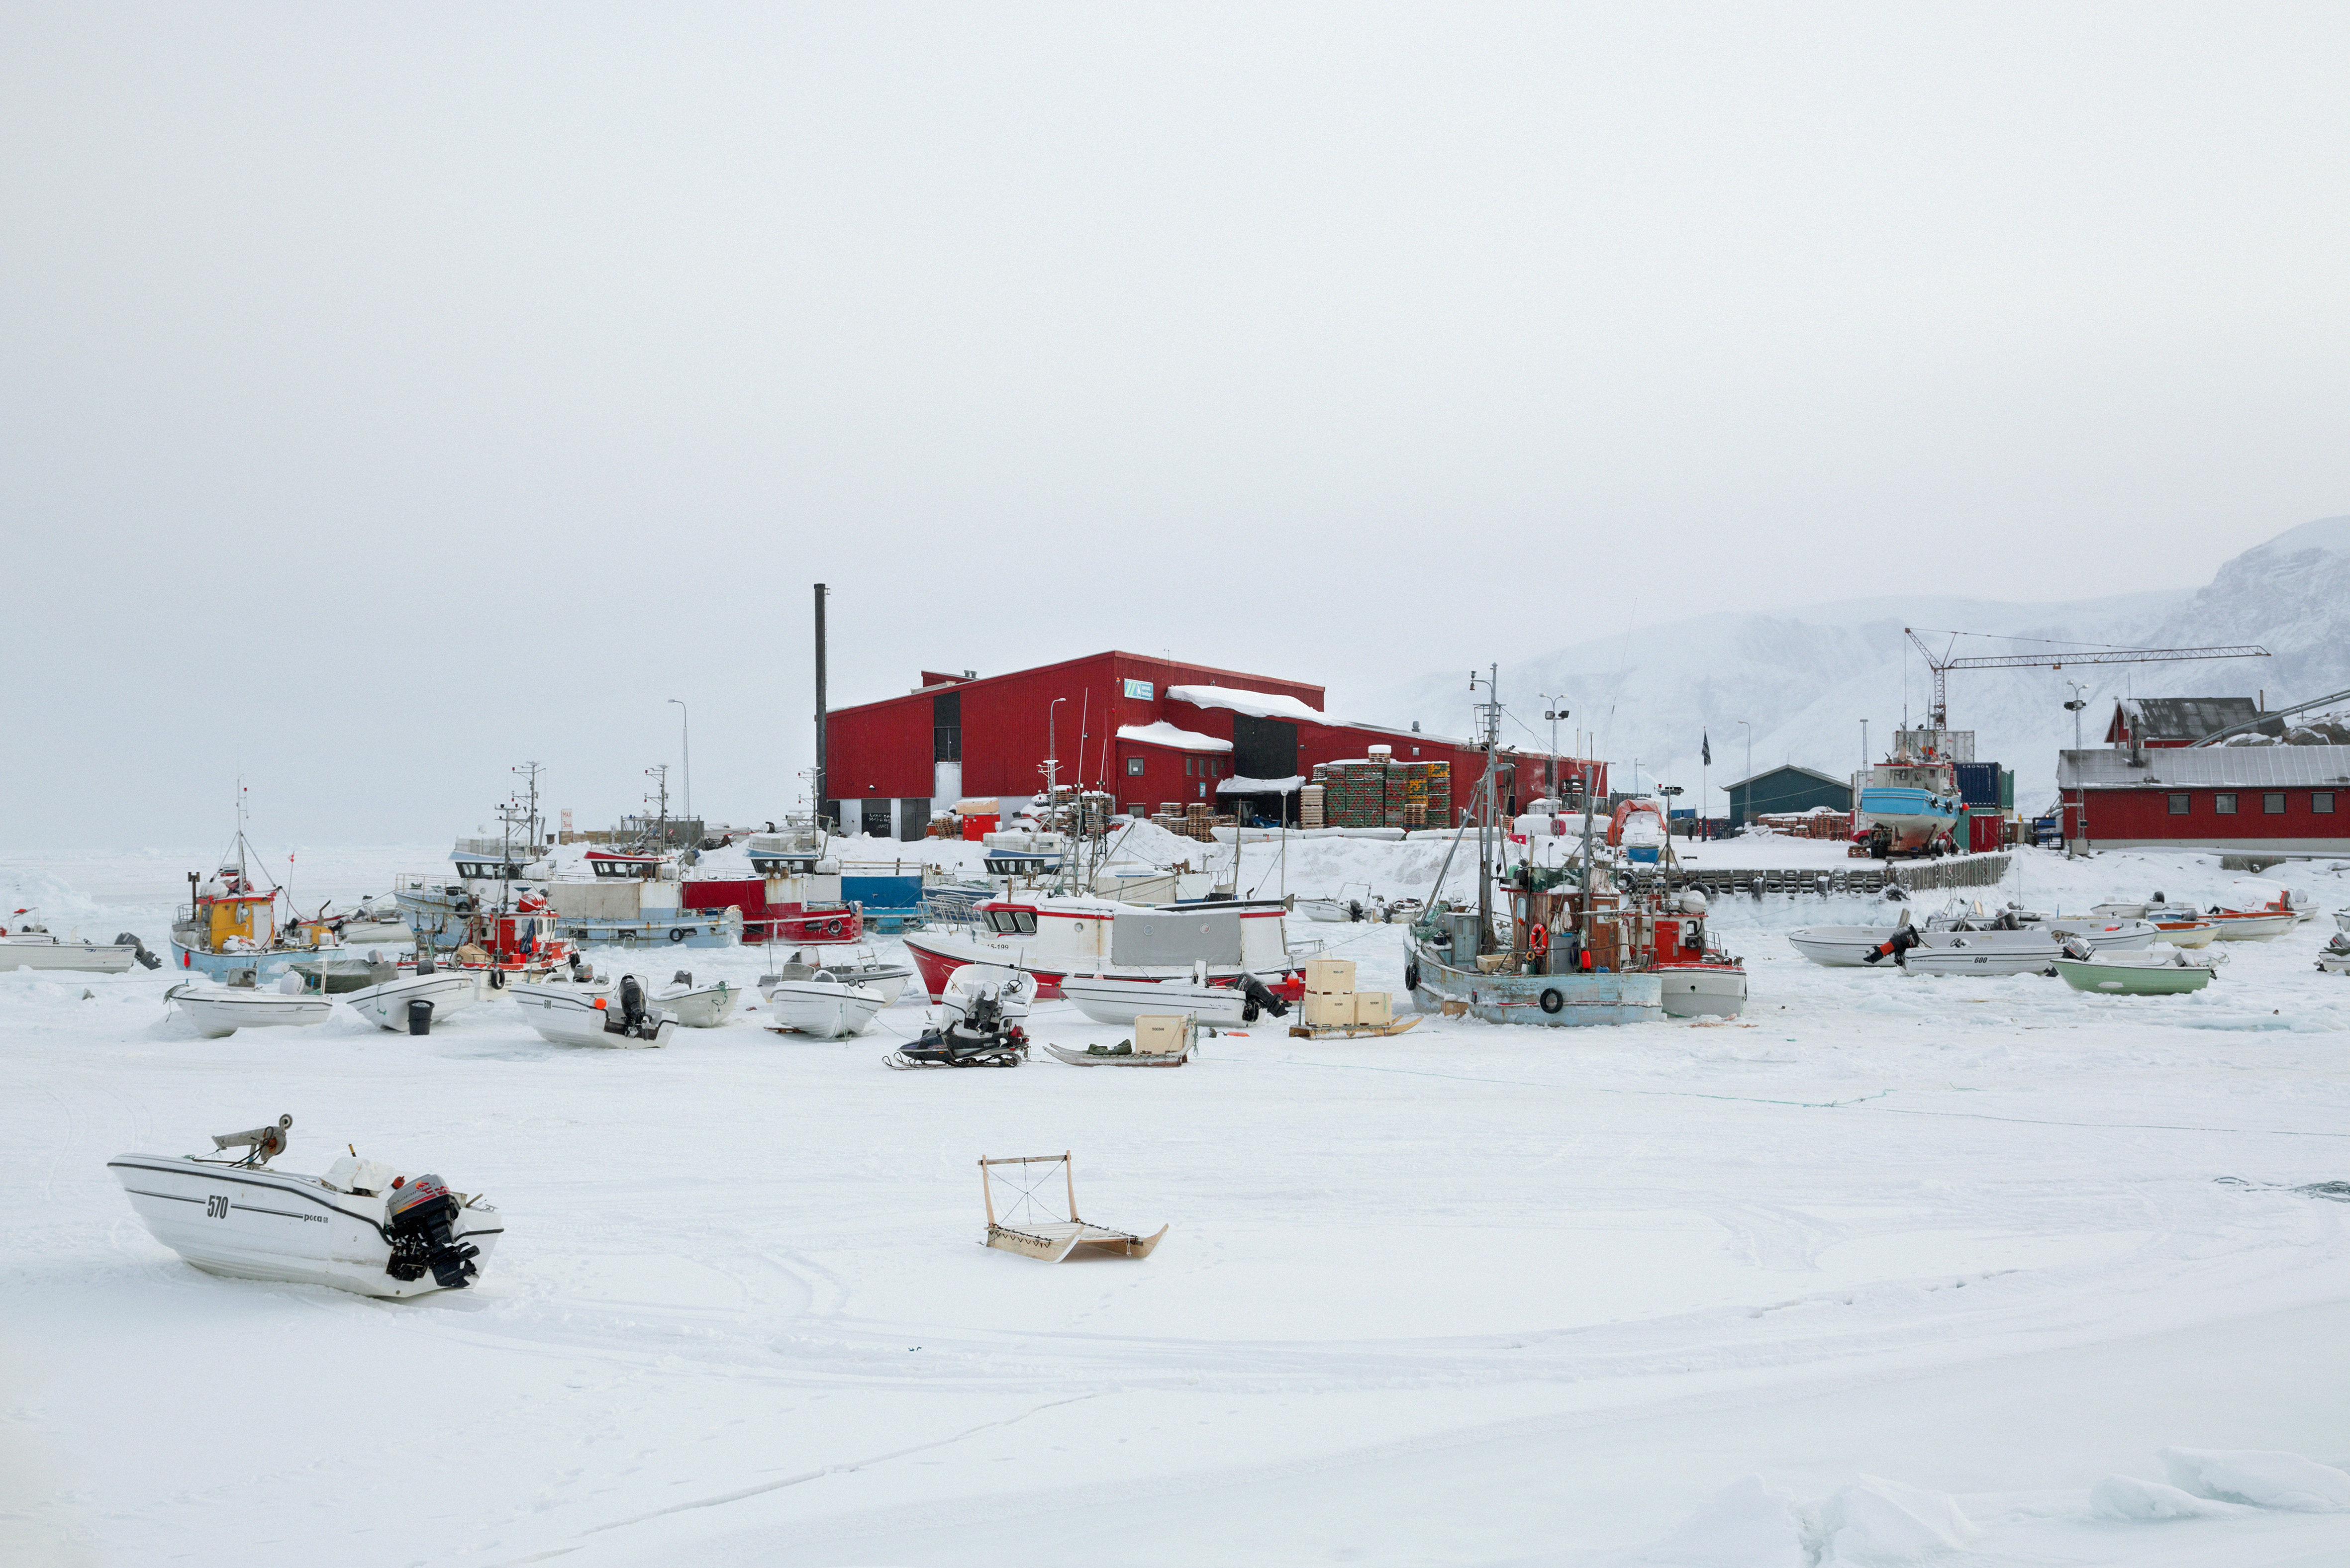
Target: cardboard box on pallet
1373	1009
1329	976
1324	1011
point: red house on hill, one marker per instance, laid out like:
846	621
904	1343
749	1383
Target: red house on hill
1147	730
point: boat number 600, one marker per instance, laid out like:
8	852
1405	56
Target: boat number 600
216	1206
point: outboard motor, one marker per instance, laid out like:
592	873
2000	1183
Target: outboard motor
423	963
2075	948
633	1006
139	949
1900	942
422	1214
581	972
1259	999
683	977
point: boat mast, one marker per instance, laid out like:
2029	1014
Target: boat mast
1491	713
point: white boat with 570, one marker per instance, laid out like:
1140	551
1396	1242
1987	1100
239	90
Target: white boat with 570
222	1009
573	1016
362	1226
823	1006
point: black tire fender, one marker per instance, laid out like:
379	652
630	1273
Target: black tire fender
1551	1000
1411	976
677	933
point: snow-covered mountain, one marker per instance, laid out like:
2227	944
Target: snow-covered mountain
1803	680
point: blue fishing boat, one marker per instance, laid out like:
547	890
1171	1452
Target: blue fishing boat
1911	806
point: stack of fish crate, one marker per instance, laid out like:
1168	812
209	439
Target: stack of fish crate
1332	1003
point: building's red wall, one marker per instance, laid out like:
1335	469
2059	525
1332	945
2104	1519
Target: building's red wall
2146	813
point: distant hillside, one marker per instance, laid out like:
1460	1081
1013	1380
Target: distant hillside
1805	678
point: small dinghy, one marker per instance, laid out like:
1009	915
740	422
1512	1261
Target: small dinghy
2133	974
570	1015
824	1006
222	1009
391	1004
2334	958
363	1226
1121	1002
697	1007
861	968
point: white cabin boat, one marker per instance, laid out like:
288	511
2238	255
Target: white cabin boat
693	1006
362	1226
1121	1002
862	967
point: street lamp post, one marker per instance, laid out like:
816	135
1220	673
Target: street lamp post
685	736
1553	713
1052	746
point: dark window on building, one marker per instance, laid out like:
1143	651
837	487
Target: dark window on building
2178	805
2322	801
1134	767
874	822
1191	767
946	727
2225	804
1134	808
2272	804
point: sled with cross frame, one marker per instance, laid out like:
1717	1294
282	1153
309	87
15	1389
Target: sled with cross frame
1032	1223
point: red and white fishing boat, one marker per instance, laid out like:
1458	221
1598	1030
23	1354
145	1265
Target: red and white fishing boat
506	946
1055	937
802	907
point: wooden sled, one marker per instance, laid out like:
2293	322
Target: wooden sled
1033	1225
1351	1030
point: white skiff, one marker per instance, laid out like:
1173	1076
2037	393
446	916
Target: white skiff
386	1005
338	1228
222	1009
38	949
569	1015
697	1007
823	1006
1121	1002
863	969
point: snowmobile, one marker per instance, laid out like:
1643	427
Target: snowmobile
980	1037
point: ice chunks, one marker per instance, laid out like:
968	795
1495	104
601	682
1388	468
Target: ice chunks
2258	1478
1878	1524
2143	1501
1746	1525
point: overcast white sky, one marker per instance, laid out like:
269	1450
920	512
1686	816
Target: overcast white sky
390	394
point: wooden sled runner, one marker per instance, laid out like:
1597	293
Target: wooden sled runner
1032	1224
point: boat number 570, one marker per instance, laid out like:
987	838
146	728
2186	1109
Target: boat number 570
217	1206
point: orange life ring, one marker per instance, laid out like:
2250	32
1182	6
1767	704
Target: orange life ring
1538	938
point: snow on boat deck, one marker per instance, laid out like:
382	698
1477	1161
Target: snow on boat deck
1469	1294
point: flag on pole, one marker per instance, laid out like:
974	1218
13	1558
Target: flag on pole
1705	744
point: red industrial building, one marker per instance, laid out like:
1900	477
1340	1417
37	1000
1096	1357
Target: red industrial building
1147	730
2162	722
2293	799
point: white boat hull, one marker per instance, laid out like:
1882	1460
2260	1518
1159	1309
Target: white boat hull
1122	1001
705	1008
2254	928
823	1010
386	1005
80	958
253	1223
569	1017
1840	946
1703	990
888	979
223	1011
1960	958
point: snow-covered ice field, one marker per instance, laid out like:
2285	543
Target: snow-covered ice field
1892	1270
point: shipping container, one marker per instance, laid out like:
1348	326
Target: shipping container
1979	784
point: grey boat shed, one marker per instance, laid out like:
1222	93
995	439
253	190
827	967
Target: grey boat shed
1785	788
